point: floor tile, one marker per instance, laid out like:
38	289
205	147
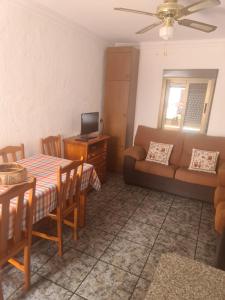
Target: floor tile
153	216
141	233
208	211
207	233
172	242
68	271
156	199
136	190
92	241
122	208
109	222
175	224
155	195
141	289
41	252
127	255
188	215
187	203
151	265
12	279
76	297
42	289
130	197
107	282
206	253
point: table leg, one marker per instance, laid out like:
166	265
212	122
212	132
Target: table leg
82	208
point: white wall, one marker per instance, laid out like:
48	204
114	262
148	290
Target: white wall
155	57
50	72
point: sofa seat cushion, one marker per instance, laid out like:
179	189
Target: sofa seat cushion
155	168
196	177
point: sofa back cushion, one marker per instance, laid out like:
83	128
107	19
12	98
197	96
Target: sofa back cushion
201	142
145	135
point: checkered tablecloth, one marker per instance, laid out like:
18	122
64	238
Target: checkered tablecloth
44	168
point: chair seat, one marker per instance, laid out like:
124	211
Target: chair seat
195	177
155	168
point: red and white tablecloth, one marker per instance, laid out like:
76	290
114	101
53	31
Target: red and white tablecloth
44	168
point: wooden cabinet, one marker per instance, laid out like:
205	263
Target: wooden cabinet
118	65
94	152
120	101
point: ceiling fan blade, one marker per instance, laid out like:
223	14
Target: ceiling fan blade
149	27
134	11
197	25
200	5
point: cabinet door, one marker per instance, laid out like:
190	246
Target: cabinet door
115	120
118	66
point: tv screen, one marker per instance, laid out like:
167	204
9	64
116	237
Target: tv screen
89	122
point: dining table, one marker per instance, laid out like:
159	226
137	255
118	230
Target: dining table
44	169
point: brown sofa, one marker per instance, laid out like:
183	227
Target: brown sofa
219	205
175	178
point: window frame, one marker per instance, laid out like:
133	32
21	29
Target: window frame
207	104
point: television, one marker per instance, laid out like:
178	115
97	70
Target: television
89	123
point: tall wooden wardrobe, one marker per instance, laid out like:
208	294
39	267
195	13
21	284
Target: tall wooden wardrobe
120	101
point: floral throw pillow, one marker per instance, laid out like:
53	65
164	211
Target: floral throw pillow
159	153
204	161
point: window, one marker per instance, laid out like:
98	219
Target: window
186	103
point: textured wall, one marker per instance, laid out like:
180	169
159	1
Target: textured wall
155	57
50	72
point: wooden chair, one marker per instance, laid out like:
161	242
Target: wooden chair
68	191
22	233
12	153
51	145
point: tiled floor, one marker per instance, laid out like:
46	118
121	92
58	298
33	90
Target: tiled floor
128	228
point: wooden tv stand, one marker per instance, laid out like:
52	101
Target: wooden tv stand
94	152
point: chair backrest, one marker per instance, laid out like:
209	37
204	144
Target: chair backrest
51	145
12	153
69	183
21	235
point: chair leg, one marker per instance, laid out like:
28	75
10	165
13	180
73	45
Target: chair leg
75	222
27	268
59	233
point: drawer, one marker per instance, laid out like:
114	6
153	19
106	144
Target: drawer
97	159
97	149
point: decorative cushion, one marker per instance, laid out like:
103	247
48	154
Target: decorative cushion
204	161
159	153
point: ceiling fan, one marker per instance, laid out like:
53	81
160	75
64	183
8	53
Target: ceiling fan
171	11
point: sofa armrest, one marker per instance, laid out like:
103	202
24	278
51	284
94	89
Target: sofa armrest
136	152
221	175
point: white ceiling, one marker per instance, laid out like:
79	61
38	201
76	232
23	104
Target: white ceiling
99	17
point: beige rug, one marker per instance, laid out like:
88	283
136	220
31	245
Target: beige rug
181	278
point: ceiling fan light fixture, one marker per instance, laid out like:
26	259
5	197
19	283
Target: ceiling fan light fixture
171	12
166	32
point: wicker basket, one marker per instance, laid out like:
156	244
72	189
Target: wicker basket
12	173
